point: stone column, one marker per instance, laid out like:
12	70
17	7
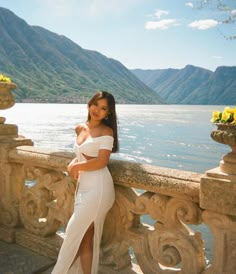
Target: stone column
10	184
218	198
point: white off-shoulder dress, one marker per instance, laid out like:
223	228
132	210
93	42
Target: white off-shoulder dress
94	198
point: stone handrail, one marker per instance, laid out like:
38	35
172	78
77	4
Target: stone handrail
36	201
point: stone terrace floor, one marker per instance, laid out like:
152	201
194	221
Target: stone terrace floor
15	259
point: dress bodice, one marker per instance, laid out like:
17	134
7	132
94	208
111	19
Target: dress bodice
92	145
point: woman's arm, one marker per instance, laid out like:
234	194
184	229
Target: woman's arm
90	164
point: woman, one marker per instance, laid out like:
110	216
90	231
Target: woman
95	195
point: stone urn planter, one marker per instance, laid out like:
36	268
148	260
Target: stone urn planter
226	134
6	98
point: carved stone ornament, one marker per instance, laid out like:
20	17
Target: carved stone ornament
9	213
48	202
223	228
161	248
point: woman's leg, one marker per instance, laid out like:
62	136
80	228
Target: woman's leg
86	250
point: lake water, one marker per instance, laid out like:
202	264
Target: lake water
174	136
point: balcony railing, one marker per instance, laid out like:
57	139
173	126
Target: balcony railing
36	201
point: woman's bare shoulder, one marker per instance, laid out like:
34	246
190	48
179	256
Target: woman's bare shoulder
107	131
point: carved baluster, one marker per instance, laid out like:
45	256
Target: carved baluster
116	234
11	181
223	228
171	241
157	249
48	203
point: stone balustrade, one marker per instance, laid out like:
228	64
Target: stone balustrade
36	201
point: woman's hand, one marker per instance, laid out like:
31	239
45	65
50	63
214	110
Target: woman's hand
72	169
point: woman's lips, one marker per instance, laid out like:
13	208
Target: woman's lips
95	114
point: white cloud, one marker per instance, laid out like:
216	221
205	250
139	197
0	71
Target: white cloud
203	24
162	24
159	13
189	4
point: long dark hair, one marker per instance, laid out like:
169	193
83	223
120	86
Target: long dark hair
111	119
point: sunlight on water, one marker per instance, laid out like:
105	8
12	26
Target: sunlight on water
173	136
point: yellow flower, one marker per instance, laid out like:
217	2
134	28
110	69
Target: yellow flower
234	116
215	116
232	111
227	116
5	79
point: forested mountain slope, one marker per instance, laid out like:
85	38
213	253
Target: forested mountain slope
48	67
192	85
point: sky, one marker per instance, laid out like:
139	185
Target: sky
144	34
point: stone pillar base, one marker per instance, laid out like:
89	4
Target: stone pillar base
228	164
8	130
218	192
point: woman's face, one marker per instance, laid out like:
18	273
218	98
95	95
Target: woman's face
99	109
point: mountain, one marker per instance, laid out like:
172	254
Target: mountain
192	85
48	67
219	89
